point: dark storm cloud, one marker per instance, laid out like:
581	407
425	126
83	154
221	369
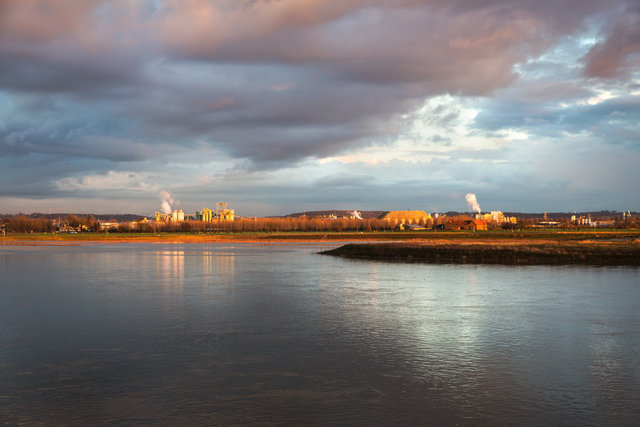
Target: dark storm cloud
337	73
612	122
48	126
33	175
619	52
62	47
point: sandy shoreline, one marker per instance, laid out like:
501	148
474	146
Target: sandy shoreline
552	239
184	239
171	242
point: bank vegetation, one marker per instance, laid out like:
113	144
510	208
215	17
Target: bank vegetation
589	252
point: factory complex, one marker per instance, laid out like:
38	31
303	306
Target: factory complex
221	213
400	220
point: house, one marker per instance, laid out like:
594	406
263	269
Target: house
465	224
412	227
476	224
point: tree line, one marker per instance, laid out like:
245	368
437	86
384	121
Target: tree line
74	223
262	225
26	224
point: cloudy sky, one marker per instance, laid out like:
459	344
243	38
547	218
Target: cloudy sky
276	106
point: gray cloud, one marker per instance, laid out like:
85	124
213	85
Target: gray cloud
610	122
109	86
619	53
351	65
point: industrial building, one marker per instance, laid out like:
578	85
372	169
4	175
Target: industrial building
205	215
222	213
496	217
175	216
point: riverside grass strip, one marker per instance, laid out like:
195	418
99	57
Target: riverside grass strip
522	254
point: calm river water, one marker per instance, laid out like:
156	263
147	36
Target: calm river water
248	334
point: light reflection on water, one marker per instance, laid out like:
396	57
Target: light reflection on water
233	334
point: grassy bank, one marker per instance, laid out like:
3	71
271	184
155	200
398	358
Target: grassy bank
483	238
585	253
15	238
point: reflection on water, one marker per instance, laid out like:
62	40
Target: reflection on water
170	271
236	334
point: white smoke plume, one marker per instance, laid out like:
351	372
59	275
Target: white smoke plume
356	215
473	202
167	200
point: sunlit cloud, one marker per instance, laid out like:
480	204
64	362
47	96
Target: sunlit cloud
444	127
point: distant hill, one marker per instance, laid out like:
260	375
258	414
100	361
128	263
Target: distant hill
559	215
338	213
554	215
99	217
523	215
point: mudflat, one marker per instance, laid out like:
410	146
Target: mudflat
526	251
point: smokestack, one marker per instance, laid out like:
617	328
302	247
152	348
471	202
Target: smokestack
356	215
167	200
473	202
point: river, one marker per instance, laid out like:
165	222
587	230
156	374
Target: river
234	334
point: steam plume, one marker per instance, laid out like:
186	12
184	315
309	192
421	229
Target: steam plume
356	215
473	202
167	200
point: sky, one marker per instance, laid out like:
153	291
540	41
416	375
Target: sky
285	106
